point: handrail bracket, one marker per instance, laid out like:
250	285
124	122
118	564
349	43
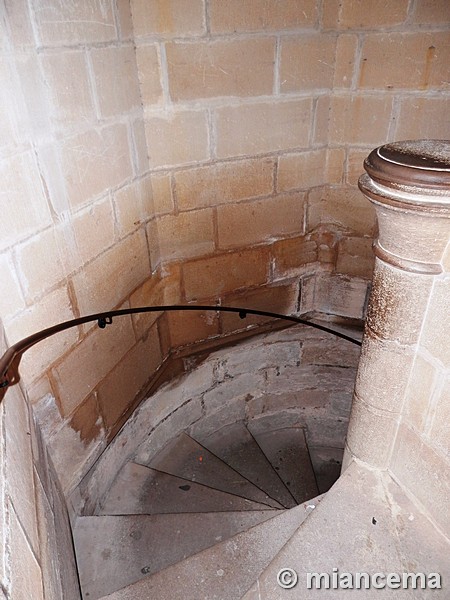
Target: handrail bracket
104	321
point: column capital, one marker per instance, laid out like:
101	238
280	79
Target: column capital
410	174
409	184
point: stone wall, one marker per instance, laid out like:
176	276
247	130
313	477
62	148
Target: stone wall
36	551
77	201
258	116
165	151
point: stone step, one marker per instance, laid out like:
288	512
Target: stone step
186	458
367	524
141	490
235	445
354	328
288	453
226	570
116	551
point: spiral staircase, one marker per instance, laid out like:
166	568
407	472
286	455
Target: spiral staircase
218	506
221	498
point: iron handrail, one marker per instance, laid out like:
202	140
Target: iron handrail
14	353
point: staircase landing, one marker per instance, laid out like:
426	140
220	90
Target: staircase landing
224	571
365	523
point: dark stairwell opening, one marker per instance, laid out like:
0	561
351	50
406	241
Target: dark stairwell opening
219	453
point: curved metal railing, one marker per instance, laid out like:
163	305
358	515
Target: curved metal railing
9	362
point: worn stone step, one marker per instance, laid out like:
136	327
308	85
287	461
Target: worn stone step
184	457
141	490
226	570
116	551
235	445
352	327
287	451
366	524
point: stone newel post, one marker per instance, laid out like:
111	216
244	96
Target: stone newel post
409	309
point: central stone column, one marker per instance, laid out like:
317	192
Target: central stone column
403	373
